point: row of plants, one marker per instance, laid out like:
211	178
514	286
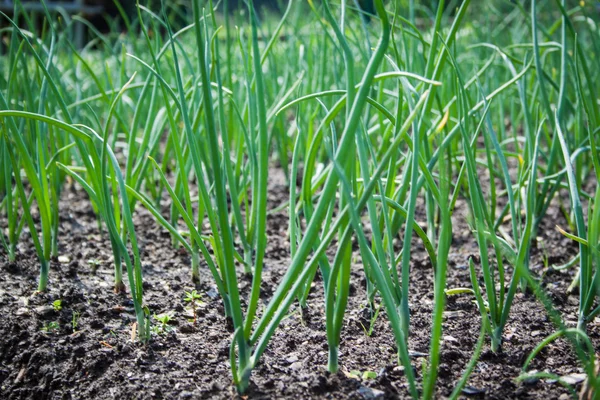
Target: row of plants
370	116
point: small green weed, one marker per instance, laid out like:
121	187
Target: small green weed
193	298
50	327
162	328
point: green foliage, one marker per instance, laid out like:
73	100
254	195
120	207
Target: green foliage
381	127
75	321
193	298
163	327
51	327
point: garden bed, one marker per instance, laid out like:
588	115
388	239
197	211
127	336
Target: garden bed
85	349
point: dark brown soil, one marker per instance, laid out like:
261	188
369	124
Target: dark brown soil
99	360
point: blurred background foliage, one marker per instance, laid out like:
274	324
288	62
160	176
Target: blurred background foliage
483	12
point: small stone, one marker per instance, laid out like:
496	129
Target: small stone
117	309
22	312
532	380
21	375
370	393
573	379
187	328
44	311
573	300
96	324
141	358
296	366
291	359
188	313
64	259
473	391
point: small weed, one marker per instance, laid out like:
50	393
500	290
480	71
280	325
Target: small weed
51	327
369	375
193	298
57	305
162	327
75	321
356	374
94	264
369	331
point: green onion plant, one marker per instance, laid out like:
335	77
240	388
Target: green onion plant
381	123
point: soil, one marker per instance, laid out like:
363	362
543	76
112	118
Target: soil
97	358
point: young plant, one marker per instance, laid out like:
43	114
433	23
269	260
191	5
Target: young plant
51	327
75	321
193	299
163	327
